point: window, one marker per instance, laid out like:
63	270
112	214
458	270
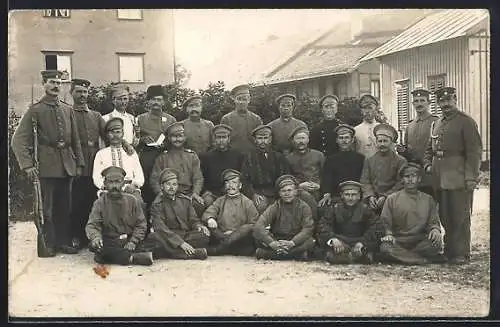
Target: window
131	68
58	13
403	105
59	61
375	88
435	82
130	14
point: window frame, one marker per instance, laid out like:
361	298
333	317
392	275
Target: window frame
431	80
67	53
126	18
131	54
377	95
398	85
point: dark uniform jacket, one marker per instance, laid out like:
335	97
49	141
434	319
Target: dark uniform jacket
324	138
59	149
340	167
213	163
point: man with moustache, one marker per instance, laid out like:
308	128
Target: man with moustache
60	158
241	120
231	219
152	125
323	135
217	160
282	127
380	171
198	130
120	99
90	126
452	158
365	140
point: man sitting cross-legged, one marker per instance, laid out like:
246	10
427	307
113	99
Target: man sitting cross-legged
412	231
349	232
117	224
284	230
231	219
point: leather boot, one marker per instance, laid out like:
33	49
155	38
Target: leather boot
142	258
200	254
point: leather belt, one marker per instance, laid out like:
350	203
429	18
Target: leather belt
447	153
57	145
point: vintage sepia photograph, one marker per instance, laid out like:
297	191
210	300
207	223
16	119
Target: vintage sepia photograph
230	163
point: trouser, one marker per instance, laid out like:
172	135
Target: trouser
83	192
164	249
147	157
295	253
239	242
56	198
454	211
114	252
410	250
347	256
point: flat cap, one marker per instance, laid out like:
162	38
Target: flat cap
113	123
284	96
447	91
119	90
175	128
243	88
191	98
222	129
113	171
262	129
421	93
229	174
154	91
168	174
349	185
344	128
51	73
297	130
80	82
324	97
285	180
367	98
410	166
387	130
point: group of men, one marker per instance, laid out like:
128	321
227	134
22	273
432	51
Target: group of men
137	188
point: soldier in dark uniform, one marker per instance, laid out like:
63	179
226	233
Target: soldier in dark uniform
453	157
90	126
323	136
60	158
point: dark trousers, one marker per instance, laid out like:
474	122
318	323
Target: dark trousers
113	251
454	211
410	250
83	193
239	242
164	249
147	157
345	257
56	197
295	252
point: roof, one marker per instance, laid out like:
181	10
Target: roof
440	26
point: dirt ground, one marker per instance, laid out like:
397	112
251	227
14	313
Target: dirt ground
66	286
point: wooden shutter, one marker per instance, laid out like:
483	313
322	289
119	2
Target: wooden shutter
435	82
403	103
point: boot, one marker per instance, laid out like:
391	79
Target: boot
200	254
68	249
142	258
264	254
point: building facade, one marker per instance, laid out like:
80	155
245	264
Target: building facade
132	46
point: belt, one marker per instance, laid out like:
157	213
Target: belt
448	153
57	144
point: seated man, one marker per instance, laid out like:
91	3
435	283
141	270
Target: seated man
291	225
178	231
231	219
117	224
350	232
412	229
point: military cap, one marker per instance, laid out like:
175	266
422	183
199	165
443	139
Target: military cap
298	129
175	128
445	92
243	88
421	93
113	123
154	91
286	95
261	129
229	174
168	174
285	180
410	166
367	98
186	102
349	185
324	97
113	171
119	89
80	82
222	129
344	128
51	73
387	130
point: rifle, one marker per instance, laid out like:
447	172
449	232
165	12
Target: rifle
41	240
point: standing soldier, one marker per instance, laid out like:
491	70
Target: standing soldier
198	130
90	126
241	120
120	98
365	139
323	135
60	158
453	157
282	127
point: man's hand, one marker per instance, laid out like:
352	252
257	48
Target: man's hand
212	223
337	245
358	249
96	243
147	139
435	237
128	148
372	202
326	200
275	245
258	199
79	171
187	248
204	230
389	239
130	246
228	232
32	173
400	148
287	245
198	199
380	202
470	185
428	169
129	188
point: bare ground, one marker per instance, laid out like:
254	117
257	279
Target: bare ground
66	286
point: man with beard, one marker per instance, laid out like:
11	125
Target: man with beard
323	135
231	219
60	159
241	120
185	162
90	126
285	229
120	98
198	130
215	161
344	165
152	125
412	230
117	224
282	127
177	231
350	232
453	157
380	171
306	164
365	141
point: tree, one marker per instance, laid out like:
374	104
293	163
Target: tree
182	74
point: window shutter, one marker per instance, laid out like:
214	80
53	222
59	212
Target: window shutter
403	97
51	62
435	83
